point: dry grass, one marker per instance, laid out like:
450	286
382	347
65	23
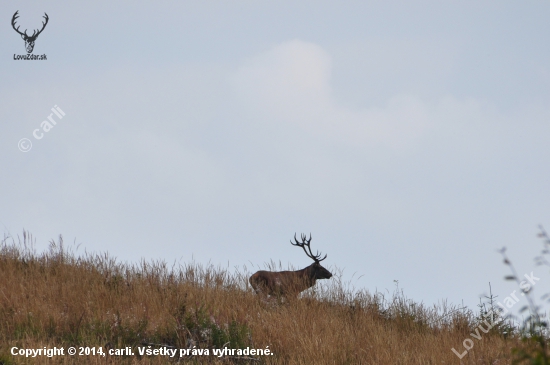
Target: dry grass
59	299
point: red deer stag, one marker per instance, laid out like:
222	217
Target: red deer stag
291	283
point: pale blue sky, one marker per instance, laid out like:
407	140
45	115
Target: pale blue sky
410	138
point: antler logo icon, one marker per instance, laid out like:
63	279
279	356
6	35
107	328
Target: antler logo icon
29	40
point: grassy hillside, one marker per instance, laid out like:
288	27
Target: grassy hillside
56	299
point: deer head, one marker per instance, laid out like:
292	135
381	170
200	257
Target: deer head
317	271
29	40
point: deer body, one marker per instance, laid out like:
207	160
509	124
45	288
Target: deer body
290	283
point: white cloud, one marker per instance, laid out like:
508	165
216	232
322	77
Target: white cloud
290	83
291	80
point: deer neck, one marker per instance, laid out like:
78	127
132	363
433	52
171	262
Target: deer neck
308	273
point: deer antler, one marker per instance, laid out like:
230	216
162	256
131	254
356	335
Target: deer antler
306	243
34	34
15	16
43	25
